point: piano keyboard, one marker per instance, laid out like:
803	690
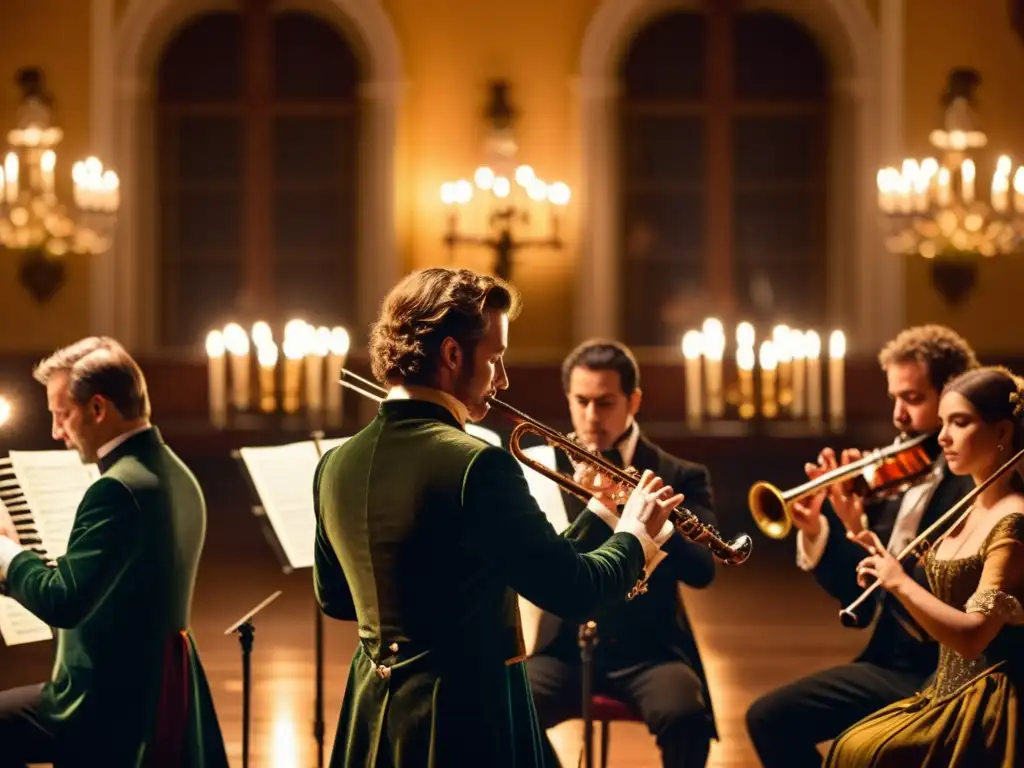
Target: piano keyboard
13	498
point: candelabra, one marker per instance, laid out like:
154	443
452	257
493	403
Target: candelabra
511	203
932	208
303	383
779	382
33	221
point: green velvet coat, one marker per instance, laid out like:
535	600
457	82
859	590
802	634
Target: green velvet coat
424	536
120	600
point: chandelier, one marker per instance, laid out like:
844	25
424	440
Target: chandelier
934	208
510	192
33	220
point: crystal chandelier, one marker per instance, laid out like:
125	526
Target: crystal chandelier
932	208
33	220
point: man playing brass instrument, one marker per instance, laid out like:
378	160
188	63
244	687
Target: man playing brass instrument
425	534
646	654
787	724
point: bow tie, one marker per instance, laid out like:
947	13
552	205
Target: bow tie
613	455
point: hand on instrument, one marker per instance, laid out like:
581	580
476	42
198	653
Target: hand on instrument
880	565
602	486
848	506
650	503
807	512
7	525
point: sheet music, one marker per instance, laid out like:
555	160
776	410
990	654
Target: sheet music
18	625
42	500
283	477
53	483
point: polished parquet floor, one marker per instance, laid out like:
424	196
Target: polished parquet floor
759	626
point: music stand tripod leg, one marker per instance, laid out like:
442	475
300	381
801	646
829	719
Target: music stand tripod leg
318	724
587	641
246	629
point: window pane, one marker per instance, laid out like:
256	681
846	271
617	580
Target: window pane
778	149
779	259
666	60
312	61
203	63
664	148
209	149
776	59
203	298
308	150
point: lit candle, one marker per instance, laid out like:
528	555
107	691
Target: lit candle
11	174
784	360
911	169
216	372
261	334
692	347
797	349
336	354
319	345
745	336
294	351
47	162
266	356
768	361
713	335
237	344
1018	189
943	194
836	383
745	373
967	173
1001	184
812	349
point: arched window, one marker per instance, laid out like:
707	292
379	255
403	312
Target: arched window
724	126
256	145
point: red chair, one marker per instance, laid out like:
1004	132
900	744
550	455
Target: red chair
606	710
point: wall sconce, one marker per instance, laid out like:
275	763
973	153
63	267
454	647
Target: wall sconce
33	221
515	190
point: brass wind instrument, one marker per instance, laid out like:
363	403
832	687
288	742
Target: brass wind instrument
895	467
688	525
920	545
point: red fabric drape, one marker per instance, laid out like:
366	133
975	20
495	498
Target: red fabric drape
172	714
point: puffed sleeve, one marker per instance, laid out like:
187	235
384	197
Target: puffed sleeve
1001	588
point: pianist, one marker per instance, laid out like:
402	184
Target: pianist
127	687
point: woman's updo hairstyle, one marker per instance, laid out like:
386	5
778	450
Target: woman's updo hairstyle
997	394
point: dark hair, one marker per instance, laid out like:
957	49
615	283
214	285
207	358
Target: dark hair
423	310
943	351
100	366
995	393
603	355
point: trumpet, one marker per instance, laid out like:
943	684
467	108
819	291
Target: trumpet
688	525
920	545
884	470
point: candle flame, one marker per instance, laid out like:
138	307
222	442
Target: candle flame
215	344
837	344
692	345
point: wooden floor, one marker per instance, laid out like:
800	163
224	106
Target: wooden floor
759	626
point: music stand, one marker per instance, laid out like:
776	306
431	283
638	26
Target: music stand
318	628
246	630
587	640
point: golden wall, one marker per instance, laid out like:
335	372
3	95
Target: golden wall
451	48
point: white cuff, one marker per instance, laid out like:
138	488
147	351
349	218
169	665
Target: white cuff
809	551
651	547
8	551
607	516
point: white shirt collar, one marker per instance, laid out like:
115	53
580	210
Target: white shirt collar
410	392
110	445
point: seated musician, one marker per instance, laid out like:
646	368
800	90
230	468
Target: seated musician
646	654
787	724
127	687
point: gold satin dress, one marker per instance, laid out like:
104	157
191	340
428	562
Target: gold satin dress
969	716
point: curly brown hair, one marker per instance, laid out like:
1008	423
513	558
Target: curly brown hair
424	309
945	352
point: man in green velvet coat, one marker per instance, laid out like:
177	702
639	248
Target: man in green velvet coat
425	534
127	687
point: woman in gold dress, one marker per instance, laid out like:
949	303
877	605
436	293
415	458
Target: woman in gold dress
970	715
